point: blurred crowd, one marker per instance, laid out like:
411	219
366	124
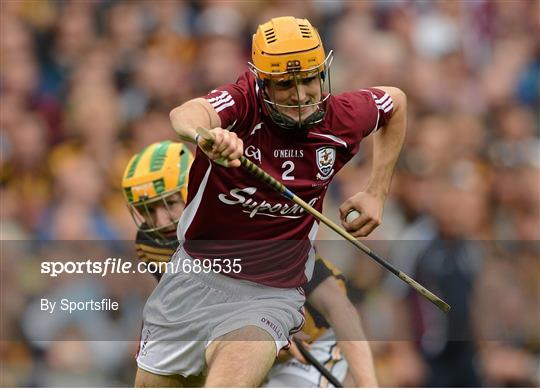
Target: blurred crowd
84	84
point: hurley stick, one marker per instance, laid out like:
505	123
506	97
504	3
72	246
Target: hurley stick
279	187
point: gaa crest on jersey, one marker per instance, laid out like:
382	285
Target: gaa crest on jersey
325	156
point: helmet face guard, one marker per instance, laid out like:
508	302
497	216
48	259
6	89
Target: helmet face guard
288	52
143	215
268	82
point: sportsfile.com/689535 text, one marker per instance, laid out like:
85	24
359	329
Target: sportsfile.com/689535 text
113	265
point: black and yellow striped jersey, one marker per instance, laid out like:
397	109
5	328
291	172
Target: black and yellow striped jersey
315	325
150	251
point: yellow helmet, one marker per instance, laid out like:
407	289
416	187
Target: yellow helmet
287	48
152	177
286	44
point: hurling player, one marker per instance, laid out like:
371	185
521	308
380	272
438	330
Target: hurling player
233	323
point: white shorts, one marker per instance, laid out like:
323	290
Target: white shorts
295	374
186	312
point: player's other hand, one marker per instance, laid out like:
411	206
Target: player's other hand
226	148
369	206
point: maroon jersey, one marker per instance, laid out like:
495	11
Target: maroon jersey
231	214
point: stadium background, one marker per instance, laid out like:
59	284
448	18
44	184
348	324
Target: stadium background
84	84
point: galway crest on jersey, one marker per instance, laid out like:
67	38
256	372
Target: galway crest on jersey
326	156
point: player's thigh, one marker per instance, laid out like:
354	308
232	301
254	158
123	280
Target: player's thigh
240	358
148	379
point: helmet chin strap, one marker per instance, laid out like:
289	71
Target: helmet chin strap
287	122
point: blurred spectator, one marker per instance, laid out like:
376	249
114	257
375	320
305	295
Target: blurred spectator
76	214
25	172
152	127
211	73
447	264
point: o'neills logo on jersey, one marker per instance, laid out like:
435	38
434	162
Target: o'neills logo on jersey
325	157
288	153
253	208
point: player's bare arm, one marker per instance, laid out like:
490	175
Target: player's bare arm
185	119
387	144
331	302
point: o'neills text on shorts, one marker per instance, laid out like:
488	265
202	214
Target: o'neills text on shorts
272	326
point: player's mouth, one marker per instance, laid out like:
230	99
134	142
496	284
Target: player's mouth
304	111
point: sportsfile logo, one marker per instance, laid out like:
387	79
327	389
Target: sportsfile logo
237	196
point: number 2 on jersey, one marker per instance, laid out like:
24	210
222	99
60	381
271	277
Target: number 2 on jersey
289	167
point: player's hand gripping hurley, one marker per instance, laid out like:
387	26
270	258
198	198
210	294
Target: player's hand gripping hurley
277	186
